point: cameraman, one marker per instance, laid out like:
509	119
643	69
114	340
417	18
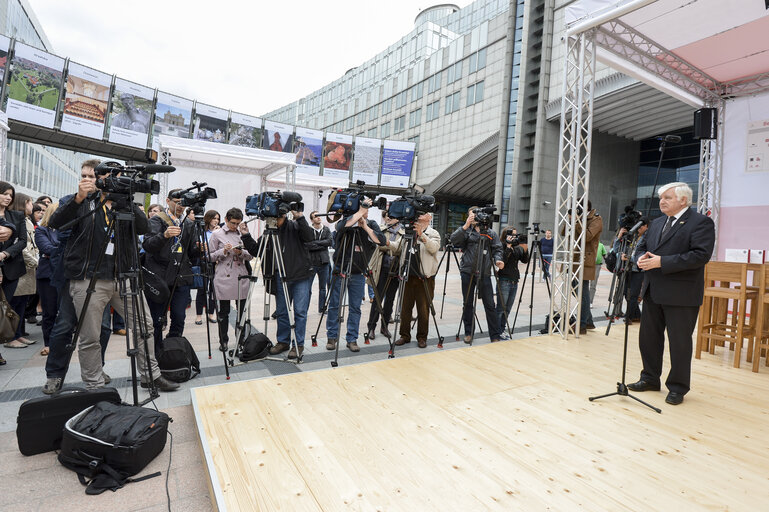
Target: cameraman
169	245
384	271
467	238
365	236
83	250
632	289
293	235
515	251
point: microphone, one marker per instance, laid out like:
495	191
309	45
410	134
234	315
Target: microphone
291	197
636	227
155	168
675	139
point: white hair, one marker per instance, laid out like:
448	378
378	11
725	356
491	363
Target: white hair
680	188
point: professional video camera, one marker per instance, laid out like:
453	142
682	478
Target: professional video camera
485	216
349	200
273	204
630	218
407	208
195	197
515	239
132	179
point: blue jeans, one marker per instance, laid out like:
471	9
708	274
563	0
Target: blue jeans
505	294
356	287
300	292
487	296
546	267
323	279
178	305
370	291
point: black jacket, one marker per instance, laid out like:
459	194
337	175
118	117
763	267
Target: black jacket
318	247
363	249
88	235
511	256
293	236
13	266
468	240
685	249
159	258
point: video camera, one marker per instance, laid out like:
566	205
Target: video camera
349	200
407	208
630	218
195	197
485	216
135	178
273	204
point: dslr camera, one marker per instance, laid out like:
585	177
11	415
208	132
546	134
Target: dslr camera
272	205
195	197
133	180
407	208
485	216
349	200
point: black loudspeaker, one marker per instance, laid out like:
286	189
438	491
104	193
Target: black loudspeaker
705	123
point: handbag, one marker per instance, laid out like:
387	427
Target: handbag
9	319
197	277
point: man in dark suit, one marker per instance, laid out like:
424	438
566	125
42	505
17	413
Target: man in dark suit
675	250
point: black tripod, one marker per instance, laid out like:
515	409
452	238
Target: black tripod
404	269
622	389
121	232
449	248
347	247
535	255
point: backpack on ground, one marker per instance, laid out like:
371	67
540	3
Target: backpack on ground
255	347
106	444
177	360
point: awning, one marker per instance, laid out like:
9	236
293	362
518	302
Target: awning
472	177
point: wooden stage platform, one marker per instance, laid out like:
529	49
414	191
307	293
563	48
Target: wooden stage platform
506	427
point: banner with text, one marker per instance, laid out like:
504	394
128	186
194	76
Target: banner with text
337	155
366	160
308	147
278	137
34	85
85	101
245	131
210	123
130	113
397	160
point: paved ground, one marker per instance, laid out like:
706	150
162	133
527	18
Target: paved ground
41	483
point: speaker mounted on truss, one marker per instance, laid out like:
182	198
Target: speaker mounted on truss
706	123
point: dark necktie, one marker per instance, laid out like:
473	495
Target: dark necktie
668	225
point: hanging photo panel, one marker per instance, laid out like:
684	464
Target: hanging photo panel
210	123
245	131
308	147
366	160
337	155
130	114
278	137
172	116
34	85
85	101
397	160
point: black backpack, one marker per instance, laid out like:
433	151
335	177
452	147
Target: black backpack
256	346
108	443
610	260
177	360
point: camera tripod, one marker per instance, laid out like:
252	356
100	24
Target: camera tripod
620	280
449	248
622	389
342	272
269	251
408	248
120	232
535	255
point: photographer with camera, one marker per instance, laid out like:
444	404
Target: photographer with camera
384	271
319	258
294	236
365	236
467	238
84	246
169	246
515	251
633	285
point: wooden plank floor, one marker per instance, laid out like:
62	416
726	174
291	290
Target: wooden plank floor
506	426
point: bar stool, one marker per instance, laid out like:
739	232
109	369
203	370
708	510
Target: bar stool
762	317
714	324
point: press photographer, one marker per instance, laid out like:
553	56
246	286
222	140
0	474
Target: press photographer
90	210
293	234
477	271
170	245
515	251
383	265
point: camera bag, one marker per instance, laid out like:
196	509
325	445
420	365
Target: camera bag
40	423
255	347
177	359
108	443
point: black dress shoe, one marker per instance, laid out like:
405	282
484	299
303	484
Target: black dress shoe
674	398
643	385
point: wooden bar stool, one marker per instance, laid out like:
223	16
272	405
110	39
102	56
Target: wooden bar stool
725	281
762	319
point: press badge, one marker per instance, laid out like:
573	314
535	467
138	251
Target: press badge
110	249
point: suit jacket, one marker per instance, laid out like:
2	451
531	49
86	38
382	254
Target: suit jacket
14	267
685	249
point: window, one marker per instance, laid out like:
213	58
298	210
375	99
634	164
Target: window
360	118
373	112
372	132
387	106
350	123
452	103
386	130
415	140
417	91
454	73
434	82
477	61
475	93
415	118
400	99
433	110
400	124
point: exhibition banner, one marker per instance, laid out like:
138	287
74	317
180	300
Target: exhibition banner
210	123
278	137
85	101
397	160
337	155
34	85
245	131
130	113
366	160
308	147
172	116
5	45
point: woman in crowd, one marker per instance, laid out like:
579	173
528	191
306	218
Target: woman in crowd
154	210
27	284
230	258
211	220
13	239
33	304
47	242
